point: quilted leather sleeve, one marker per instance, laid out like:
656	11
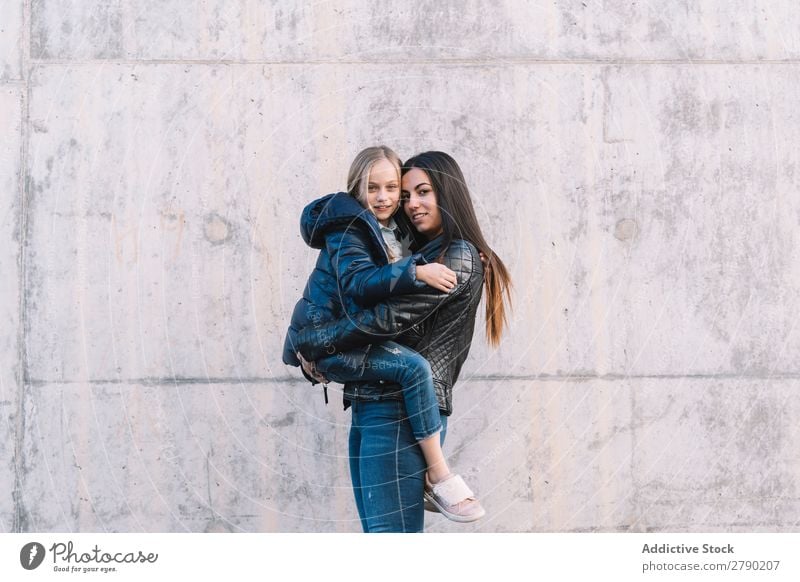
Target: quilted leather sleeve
360	277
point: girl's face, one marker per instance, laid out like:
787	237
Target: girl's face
421	204
383	190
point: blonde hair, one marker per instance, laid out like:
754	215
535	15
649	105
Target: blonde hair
358	176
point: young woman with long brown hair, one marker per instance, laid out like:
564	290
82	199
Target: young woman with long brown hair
362	261
387	466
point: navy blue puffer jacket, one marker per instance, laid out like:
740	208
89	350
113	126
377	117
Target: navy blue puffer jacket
352	270
437	325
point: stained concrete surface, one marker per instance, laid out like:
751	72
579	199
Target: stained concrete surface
185	457
10	393
12	32
296	31
633	164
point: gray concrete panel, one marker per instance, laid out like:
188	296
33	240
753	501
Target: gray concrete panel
163	236
251	30
638	455
11	35
634	165
716	455
627	455
272	457
543	456
607	202
234	457
649	218
10	216
699	195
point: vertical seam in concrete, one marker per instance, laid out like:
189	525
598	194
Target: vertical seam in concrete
635	516
20	517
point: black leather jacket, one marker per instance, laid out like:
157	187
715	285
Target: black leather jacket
438	325
352	270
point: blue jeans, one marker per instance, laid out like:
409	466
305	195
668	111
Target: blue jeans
393	362
387	467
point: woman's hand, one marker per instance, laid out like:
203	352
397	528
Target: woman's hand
437	276
311	369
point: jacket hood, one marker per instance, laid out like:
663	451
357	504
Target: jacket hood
335	211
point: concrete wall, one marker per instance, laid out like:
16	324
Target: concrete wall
635	164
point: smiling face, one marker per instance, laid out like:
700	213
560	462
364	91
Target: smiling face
383	190
421	204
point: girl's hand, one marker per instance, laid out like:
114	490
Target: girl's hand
437	276
311	370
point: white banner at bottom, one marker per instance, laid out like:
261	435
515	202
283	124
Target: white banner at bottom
390	557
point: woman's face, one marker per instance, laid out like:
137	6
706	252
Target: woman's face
383	190
421	205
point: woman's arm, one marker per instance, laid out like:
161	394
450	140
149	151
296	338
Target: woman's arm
394	316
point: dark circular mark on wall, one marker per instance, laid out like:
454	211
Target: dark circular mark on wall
626	229
216	229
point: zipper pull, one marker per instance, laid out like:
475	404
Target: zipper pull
325	393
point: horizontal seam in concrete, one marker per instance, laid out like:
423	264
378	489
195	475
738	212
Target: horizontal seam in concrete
578	377
692	528
405	63
489	377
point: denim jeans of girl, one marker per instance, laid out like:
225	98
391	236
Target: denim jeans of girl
395	363
387	467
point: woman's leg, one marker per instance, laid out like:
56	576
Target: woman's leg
371	465
355	466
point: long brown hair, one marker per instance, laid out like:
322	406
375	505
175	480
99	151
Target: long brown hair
459	221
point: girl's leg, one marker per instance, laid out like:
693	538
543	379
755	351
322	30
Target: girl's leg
393	362
431	448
